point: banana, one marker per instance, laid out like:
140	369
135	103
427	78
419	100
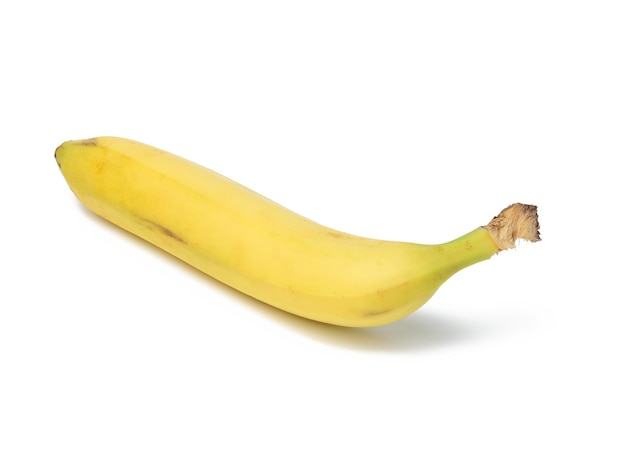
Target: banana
264	250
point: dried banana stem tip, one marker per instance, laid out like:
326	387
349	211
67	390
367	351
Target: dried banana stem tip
517	221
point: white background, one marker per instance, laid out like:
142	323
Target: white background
398	120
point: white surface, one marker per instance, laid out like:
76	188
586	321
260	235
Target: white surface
401	120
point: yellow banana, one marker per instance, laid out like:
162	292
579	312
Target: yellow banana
264	250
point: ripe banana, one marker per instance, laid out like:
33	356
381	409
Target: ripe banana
264	250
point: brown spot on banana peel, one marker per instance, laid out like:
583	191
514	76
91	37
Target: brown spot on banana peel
168	232
376	313
381	294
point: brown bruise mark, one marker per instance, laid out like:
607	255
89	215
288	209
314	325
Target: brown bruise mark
89	142
337	235
340	235
382	294
376	312
168	232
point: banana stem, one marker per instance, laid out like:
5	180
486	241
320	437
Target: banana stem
517	221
